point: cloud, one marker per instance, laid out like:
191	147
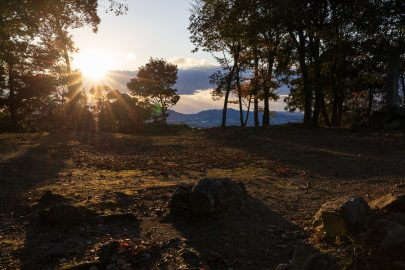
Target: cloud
130	56
202	100
189	80
186	63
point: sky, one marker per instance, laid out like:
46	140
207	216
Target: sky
151	28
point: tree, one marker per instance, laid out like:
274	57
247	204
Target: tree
34	42
154	84
217	27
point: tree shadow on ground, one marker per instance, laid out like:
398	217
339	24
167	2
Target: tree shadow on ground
323	152
109	143
35	167
37	162
255	237
47	246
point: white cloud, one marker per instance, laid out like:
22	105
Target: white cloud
185	63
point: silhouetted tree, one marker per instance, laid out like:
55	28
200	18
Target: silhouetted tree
154	84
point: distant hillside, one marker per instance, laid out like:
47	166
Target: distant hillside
212	118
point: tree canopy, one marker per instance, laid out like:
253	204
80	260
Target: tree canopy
340	59
154	83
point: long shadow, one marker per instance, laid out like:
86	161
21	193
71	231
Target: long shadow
252	238
323	152
109	143
20	175
35	167
47	246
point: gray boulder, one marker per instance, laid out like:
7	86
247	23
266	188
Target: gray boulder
208	196
211	196
342	216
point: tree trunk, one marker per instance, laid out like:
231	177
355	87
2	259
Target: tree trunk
403	86
227	92
256	111
340	111
256	90
325	114
335	104
248	111
239	95
318	82
11	98
370	102
304	71
266	93
392	84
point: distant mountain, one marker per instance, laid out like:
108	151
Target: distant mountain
212	118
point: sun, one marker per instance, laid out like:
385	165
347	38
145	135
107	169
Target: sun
94	66
95	73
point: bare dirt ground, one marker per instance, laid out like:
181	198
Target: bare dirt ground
288	171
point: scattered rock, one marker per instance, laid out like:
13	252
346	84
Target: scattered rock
65	215
208	196
342	216
391	203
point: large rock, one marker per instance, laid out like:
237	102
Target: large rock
180	200
208	196
342	216
391	203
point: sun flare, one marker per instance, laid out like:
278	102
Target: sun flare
94	66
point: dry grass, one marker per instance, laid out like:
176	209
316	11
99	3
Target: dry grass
116	173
